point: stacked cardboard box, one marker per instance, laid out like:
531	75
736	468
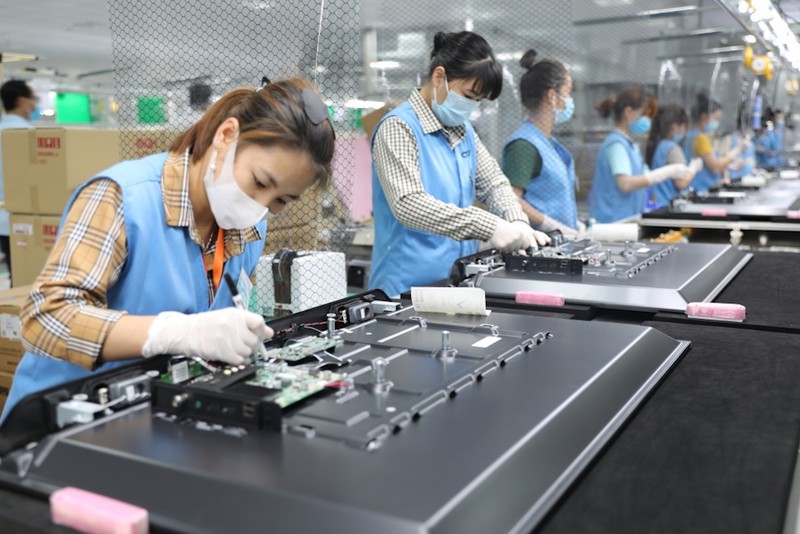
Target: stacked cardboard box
315	221
42	167
11	350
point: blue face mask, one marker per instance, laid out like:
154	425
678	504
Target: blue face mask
563	115
679	138
712	126
640	126
455	110
36	114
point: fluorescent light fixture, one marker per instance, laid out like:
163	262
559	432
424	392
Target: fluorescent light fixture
384	65
469	24
356	103
509	56
8	57
771	27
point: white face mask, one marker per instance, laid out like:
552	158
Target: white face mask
233	209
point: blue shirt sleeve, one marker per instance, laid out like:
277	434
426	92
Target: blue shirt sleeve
618	160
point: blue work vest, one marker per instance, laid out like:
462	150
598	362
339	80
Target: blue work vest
403	257
704	177
553	191
606	202
771	141
163	271
666	190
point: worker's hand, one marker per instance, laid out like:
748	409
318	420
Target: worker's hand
510	236
532	238
735	151
737	164
581	228
229	335
696	165
549	224
672	171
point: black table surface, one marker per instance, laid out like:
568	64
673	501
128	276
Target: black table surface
712	450
768	287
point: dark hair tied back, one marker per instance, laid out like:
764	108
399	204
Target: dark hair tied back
528	59
704	105
467	56
540	77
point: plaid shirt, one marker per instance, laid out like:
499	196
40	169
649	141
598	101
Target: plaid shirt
66	315
396	157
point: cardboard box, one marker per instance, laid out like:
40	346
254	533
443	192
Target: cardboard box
11	351
304	237
5	387
43	166
135	144
32	238
371	119
317	205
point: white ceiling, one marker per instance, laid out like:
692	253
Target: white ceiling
72	37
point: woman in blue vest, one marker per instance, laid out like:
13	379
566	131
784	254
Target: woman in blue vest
621	175
706	115
540	169
769	143
136	268
429	166
664	148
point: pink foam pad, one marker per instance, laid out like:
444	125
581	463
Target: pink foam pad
793	214
542	299
89	512
714	212
716	310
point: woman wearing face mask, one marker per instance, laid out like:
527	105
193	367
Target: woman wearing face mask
136	269
769	143
541	170
428	166
664	148
706	115
621	176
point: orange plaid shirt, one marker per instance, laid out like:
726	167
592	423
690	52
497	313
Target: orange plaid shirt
66	315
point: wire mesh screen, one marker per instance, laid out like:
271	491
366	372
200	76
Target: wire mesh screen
173	59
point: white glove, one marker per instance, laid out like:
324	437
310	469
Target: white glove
549	224
672	171
735	151
737	164
509	236
229	335
532	238
696	165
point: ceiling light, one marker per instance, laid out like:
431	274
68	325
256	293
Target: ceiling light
355	103
384	65
8	57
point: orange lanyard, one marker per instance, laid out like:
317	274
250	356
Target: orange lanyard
219	259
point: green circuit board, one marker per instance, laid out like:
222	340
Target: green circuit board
302	348
294	384
182	371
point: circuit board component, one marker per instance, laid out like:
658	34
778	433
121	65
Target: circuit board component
292	385
303	348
